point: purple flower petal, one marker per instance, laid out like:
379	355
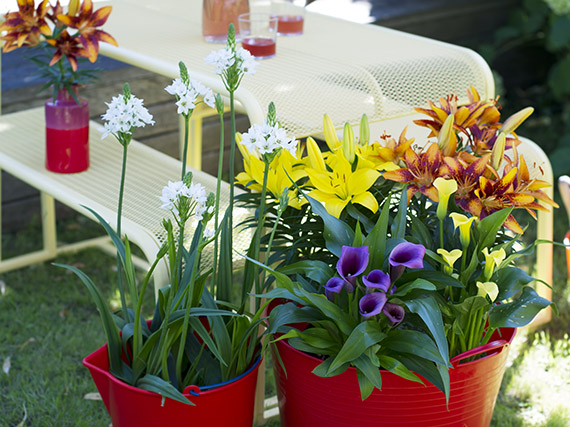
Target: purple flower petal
394	313
333	286
377	279
352	262
408	254
372	304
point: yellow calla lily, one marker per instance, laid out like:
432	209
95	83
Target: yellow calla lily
342	186
464	224
449	258
492	260
445	188
489	289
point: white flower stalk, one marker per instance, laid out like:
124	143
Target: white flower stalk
265	140
176	195
223	59
124	115
187	94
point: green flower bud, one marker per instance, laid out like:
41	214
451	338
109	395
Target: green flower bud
348	144
126	92
219	104
232	37
187	179
364	130
184	73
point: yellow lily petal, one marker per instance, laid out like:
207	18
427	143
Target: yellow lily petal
361	180
367	200
450	257
315	156
348	143
320	181
516	120
498	151
330	133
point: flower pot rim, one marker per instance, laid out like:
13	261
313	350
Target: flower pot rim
493	352
193	390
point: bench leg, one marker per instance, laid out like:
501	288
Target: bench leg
49	233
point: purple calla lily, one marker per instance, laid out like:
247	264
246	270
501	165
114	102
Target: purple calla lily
377	279
333	286
372	304
352	262
394	313
404	255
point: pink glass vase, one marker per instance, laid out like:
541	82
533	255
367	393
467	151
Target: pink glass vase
67	133
217	15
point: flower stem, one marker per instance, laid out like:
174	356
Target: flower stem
232	172
259	279
185	150
217	208
125	145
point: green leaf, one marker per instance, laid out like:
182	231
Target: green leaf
510	280
413	342
428	309
376	239
438	278
421	233
323	370
489	226
316	270
365	335
403	290
519	312
115	238
158	385
111	330
399	224
424	368
473	264
396	367
225	283
336	233
368	375
287	314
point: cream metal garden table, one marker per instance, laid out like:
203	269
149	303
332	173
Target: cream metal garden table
22	154
336	67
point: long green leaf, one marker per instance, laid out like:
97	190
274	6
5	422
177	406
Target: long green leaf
405	289
399	224
510	281
396	367
365	335
111	330
489	226
336	233
318	271
519	312
165	389
368	375
376	239
428	309
413	342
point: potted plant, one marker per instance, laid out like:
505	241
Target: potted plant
197	357
60	42
395	270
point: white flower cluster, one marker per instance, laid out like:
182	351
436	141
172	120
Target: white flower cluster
123	116
172	192
225	58
265	139
188	94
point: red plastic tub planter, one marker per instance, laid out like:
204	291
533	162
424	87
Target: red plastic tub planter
226	404
306	399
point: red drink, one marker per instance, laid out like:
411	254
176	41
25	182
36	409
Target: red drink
260	47
67	150
290	25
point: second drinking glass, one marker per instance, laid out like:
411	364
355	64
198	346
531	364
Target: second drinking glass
258	32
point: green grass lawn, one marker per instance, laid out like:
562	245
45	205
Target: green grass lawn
49	324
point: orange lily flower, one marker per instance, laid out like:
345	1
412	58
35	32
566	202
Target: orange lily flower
467	177
86	22
25	26
67	46
420	172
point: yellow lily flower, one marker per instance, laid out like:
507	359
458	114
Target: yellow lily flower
314	155
489	289
342	186
498	151
281	168
447	139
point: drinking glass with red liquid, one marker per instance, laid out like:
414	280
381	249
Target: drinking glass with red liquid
258	32
290	16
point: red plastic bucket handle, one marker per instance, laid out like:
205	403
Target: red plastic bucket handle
493	345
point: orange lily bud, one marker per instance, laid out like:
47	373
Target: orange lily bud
515	120
73	7
498	151
447	139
